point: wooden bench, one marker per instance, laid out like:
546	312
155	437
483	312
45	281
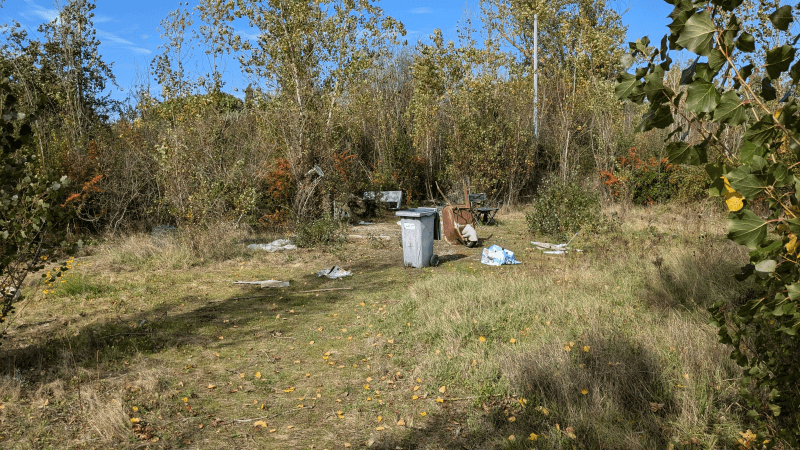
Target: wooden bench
483	213
391	197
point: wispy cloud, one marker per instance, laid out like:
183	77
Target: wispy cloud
101	19
111	38
422	10
140	50
250	36
40	11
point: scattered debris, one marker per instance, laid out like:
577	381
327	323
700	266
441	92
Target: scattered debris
468	234
274	246
553	249
334	273
365	223
556	249
497	256
265	283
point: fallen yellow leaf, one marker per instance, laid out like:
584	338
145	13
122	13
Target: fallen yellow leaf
511	438
512	340
379	418
258	374
533	437
291	389
241	375
414	397
512	419
380	428
401	423
416	388
423	414
584	391
442	389
211	386
134	420
260	423
482	339
134	408
586	348
439	400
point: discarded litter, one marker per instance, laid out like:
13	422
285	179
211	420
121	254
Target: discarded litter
554	249
265	283
274	246
365	223
497	256
334	273
468	234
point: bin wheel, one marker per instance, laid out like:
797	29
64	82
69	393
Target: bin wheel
434	260
472	244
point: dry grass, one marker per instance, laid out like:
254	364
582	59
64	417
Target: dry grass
604	349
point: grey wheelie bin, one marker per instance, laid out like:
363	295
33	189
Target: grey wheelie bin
418	227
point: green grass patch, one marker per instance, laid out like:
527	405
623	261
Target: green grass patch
608	348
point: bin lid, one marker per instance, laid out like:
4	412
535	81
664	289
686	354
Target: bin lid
416	212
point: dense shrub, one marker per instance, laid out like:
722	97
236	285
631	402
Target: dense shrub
34	210
653	180
562	209
324	231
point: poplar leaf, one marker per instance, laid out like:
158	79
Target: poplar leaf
733	199
782	17
697	33
746	228
702	96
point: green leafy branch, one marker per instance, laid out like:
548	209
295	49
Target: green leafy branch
762	170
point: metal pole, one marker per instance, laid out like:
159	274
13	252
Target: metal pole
536	77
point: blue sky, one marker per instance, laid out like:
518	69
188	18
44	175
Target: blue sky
129	34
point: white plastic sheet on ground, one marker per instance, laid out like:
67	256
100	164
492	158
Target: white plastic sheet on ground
497	256
266	283
334	273
553	249
274	246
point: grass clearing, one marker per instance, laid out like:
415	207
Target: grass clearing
150	345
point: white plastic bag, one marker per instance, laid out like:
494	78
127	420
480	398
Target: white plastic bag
497	256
